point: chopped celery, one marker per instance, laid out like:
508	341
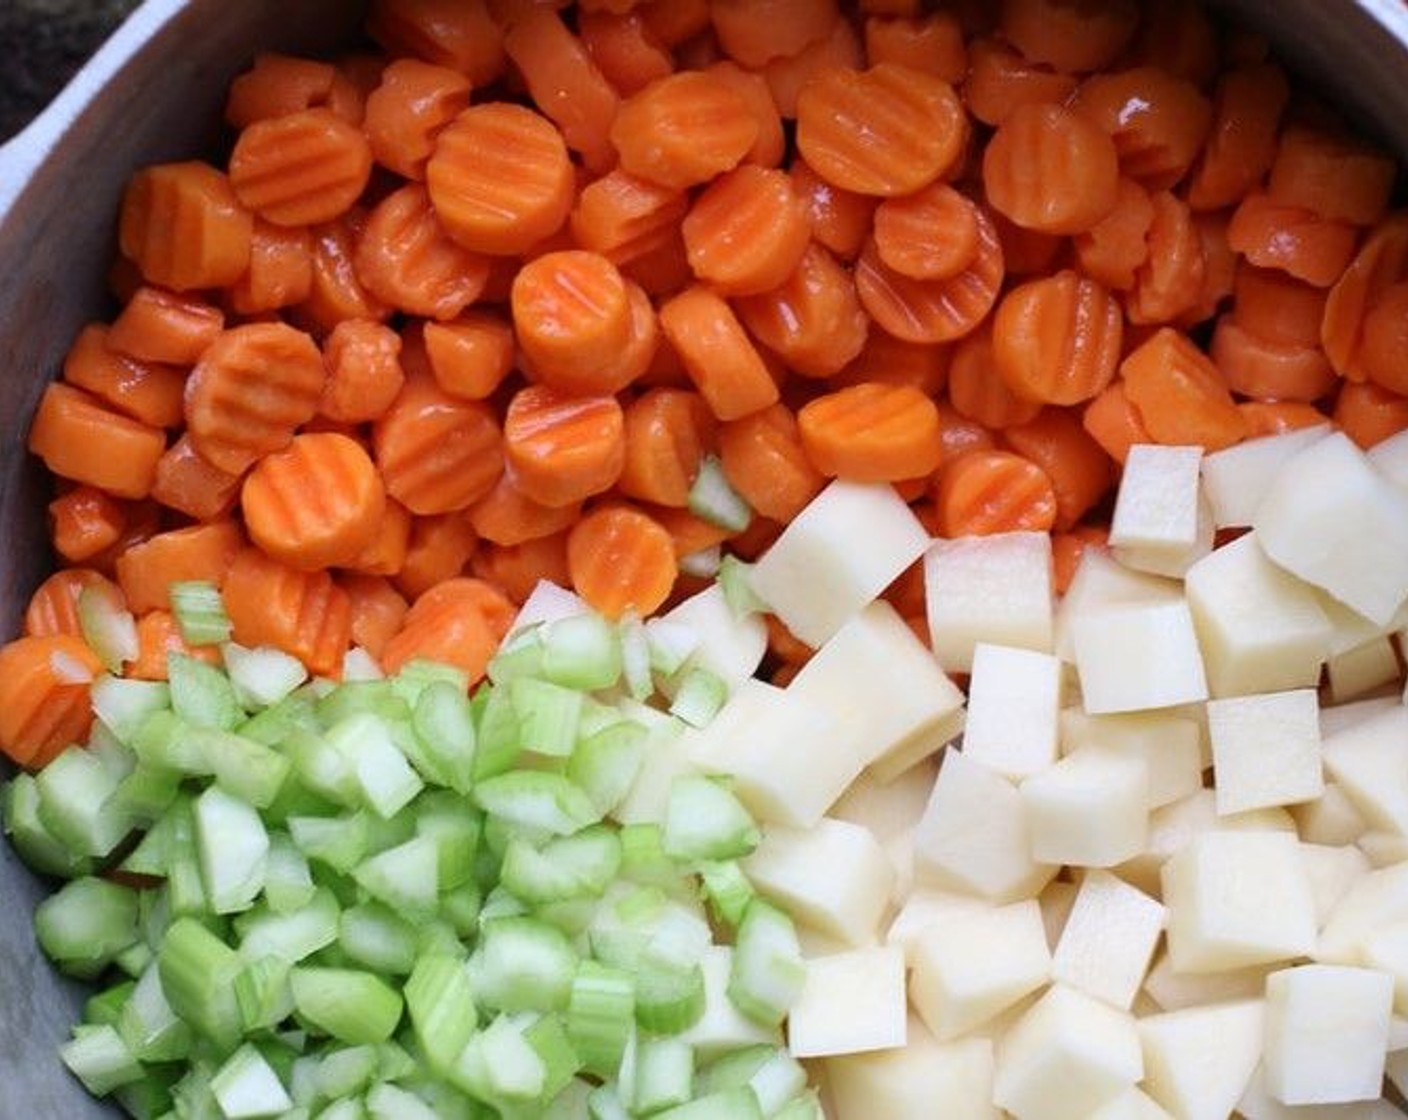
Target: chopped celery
261	677
444	723
580	865
149	1025
737	588
233	846
384	779
348	1004
123	703
376	937
536	799
292	935
247	1087
498	738
730	1104
499	1064
202	695
581	652
75	803
523	964
106	1006
700	695
727	889
340	842
386	1101
548	716
600	1015
86	924
705	821
38	847
263	994
288	880
702	564
605	765
198	973
713	498
107	626
99	1058
440	1001
346	1071
635	657
200	612
406	877
768	970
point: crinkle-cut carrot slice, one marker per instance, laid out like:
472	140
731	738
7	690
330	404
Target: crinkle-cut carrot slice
977	391
405	259
1027	252
356	75
500	178
721	360
461	35
689	533
813	320
1278	307
884	131
872	432
572	318
337	292
1219	269
621	559
517	569
1368	413
1383	348
1338	176
1267	369
385	554
841	220
624	49
439	548
276	85
44	696
280	270
302	613
746	231
754	32
1271	418
622	217
1113	250
684	130
675	21
887	358
437	453
84	441
300	169
1158	122
661	270
1081	472
363	360
161	326
929	235
1381	261
565	83
146	571
787	76
764	460
986	492
53	606
470	356
561	449
1114	423
184	228
459	622
1051	169
1241	141
253	388
315	504
1057	340
1180	396
190	484
770	148
407	110
507	516
378	610
933	310
1000	80
147	391
1293	239
85	521
668	433
158	637
932	42
1071	37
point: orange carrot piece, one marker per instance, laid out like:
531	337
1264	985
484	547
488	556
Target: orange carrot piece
517	569
764	460
1051	169
378	610
572	318
932	43
1113	250
813	320
1068	549
146	391
1179	394
1272	235
624	217
1241	142
253	388
276	85
470	356
1383	351
500	178
561	449
146	571
407	110
85	521
929	235
1057	340
461	35
890	359
787	76
161	326
1277	307
190	484
986	492
80	439
1381	262
300	169
958	434
1178	36
746	231
459	622
840	219
1000	80
754	32
1219	268
1158	122
1337	176
668	433
872	432
437	453
158	637
1270	418
1368	413
439	548
302	613
684	129
44	696
689	533
621	559
53	606
363	360
1266	369
337	292
770	146
1114	423
884	131
722	363
674	21
978	392
1080	471
624	49
1072	38
353	81
1170	281
184	228
385	554
280	270
507	516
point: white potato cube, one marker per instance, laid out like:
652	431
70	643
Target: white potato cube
1383	849
1133	1105
1138	657
851	1002
925	1077
725	642
1102	581
1373	903
1367	761
1335	718
994	589
888	809
1014	705
1390	458
975	963
1331	818
1172	990
973	836
1238	898
1332	871
1089	810
1108	939
722	1026
1057	899
834	877
838	554
1266	749
1161	524
1326	1033
1236	478
1348	628
1067	1056
1387	951
1260	628
878	686
1359	671
1171	828
547	602
1198	1060
1170	745
1332	519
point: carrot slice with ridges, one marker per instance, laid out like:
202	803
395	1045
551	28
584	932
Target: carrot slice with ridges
507	516
1057	340
684	129
1241	141
190	484
459	622
770	147
280	272
764	460
302	613
53	607
337	293
1001	80
1113	249
184	228
872	432
85	521
363	360
161	326
1074	38
721	361
460	34
44	696
932	43
978	392
158	637
300	169
841	220
1266	369
562	449
668	433
80	439
1339	177
378	610
572	317
624	49
1158	122
146	571
518	568
985	492
746	231
1080	471
1180	396
929	235
147	391
407	110
439	548
277	84
469	356
1299	241
621	559
1368	413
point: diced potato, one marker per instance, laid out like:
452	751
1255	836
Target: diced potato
888	808
1173	990
1102	581
1332	872
1014	705
1090	809
1199	1060
1161	522
1383	848
1138	657
1108	939
1057	899
1236	478
851	1003
1133	1105
924	1078
729	644
1366	759
1387	950
1375	902
1169	743
1266	749
1390	458
1359	671
722	1026
1331	818
923	908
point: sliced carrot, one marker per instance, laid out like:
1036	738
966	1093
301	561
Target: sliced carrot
885	131
976	389
1219	268
1051	169
1000	80
355	77
1277	307
813	320
277	84
722	363
470	356
337	292
1383	351
1266	369
146	571
385	554
458	34
840	219
517	569
753	32
378	610
886	358
746	231
1272	235
872	432
254	386
1241	142
1028	252
561	449
674	21
621	559
1073	38
1057	340
1269	418
770	146
407	110
405	259
930	235
459	622
1081	472
1170	281
280	270
184	228
158	637
44	696
624	217
625	50
684	129
500	178
1114	423
932	43
438	549
80	439
1381	262
363	360
85	521
668	433
765	461
1178	36
300	169
1179	394
147	391
507	516
1339	177
1069	548
958	434
437	453
1158	121
572	318
161	326
53	606
190	484
1368	413
302	613
986	492
787	76
1113	250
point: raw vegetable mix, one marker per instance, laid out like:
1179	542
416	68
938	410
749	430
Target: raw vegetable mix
553	495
